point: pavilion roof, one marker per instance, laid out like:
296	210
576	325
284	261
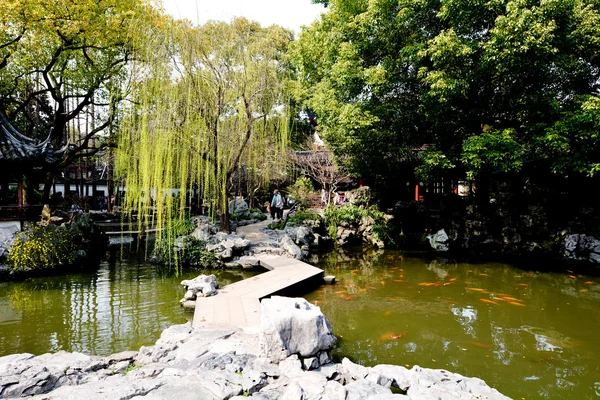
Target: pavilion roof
17	148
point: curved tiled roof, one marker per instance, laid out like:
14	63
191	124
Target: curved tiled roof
16	147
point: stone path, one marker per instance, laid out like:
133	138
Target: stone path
253	232
238	305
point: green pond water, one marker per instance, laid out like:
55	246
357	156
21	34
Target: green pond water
122	305
531	335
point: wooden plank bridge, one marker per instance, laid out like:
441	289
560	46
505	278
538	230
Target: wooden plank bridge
238	305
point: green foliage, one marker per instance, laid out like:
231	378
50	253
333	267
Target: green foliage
434	164
361	197
351	216
493	148
385	77
301	192
302	216
40	247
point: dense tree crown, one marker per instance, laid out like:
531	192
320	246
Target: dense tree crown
489	84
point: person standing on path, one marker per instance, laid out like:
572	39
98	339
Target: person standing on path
276	205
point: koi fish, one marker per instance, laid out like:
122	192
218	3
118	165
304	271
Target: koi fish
452	280
514	303
387	313
340	291
523	284
395	268
427	284
588	283
486	275
583	291
448	283
401	276
511	298
489	301
371	287
349	298
362	290
480	345
398	280
474	289
569	271
572	277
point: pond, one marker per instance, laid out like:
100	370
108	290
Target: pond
529	334
122	305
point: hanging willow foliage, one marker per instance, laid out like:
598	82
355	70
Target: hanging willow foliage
205	102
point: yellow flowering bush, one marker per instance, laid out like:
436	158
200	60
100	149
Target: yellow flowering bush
40	247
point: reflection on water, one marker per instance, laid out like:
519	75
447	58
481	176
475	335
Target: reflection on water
122	305
529	334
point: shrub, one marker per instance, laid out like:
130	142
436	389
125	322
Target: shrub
302	216
301	192
194	253
40	247
351	216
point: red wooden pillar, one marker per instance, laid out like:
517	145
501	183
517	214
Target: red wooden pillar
416	192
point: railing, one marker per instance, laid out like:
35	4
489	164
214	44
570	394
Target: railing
21	213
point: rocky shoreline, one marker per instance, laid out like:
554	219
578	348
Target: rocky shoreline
287	359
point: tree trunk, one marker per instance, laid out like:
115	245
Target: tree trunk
48	182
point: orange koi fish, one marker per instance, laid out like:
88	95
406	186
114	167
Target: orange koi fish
398	336
452	280
340	291
514	303
398	280
481	345
572	277
362	290
523	284
349	298
489	301
583	291
387	313
486	275
401	276
474	289
588	283
509	298
428	284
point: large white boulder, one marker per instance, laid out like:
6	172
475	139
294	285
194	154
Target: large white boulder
293	326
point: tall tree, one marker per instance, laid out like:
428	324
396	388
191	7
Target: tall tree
488	84
63	60
211	100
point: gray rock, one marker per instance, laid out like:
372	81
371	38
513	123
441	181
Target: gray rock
264	365
238	206
361	390
291	366
117	387
7	238
352	371
582	247
312	385
293	326
310	363
334	391
200	286
330	371
220	384
399	376
121	366
437	383
184	388
439	241
389	397
379	379
253	381
291	248
122	356
293	392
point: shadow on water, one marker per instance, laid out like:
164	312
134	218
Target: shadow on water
118	304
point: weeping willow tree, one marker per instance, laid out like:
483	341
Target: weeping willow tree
206	101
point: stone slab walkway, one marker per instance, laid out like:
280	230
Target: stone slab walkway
238	305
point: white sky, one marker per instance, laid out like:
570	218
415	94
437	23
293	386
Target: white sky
291	14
